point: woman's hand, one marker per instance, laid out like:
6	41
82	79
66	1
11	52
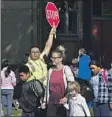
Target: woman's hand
63	100
53	31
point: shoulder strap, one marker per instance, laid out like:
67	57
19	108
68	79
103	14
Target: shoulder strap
34	87
105	77
64	69
32	66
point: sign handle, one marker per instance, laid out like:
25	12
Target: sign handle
54	27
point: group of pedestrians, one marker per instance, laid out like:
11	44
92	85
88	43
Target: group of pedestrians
60	90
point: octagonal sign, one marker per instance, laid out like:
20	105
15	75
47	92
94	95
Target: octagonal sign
52	14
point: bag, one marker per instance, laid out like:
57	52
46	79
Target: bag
105	77
86	89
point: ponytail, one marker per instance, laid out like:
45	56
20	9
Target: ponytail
7	72
62	50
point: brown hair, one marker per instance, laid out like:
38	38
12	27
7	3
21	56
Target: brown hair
6	63
74	86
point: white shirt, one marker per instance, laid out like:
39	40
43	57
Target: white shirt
77	106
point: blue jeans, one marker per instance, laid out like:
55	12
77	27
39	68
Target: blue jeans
7	96
101	110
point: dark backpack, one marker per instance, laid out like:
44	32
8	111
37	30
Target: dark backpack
86	89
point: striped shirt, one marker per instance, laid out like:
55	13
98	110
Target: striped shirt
7	82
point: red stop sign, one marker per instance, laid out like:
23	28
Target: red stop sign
52	14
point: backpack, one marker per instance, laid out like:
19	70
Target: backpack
86	89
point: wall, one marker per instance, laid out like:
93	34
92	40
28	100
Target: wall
19	20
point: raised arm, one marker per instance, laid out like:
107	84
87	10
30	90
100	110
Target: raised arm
49	42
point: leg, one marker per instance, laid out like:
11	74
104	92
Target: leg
42	113
56	110
3	100
96	109
2	112
61	111
25	114
38	112
51	110
105	110
9	101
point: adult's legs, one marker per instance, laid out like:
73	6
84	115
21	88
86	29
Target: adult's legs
3	100
51	110
9	101
25	114
56	110
96	109
30	114
105	110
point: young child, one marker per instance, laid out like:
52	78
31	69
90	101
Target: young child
74	67
76	103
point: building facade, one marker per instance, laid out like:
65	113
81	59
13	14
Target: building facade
24	24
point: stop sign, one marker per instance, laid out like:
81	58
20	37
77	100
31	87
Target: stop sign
52	14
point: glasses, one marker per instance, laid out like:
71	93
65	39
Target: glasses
35	52
53	58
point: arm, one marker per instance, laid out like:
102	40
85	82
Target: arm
49	43
69	74
13	78
46	95
69	77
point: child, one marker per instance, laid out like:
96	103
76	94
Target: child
76	103
74	67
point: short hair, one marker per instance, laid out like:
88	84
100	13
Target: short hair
96	63
74	85
24	69
35	47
